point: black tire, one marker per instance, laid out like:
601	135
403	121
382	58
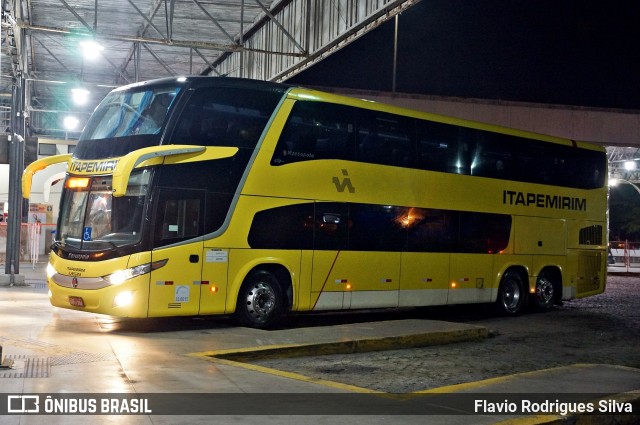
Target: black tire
546	293
512	294
260	301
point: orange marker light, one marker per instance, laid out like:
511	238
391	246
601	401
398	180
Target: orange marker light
213	289
348	286
453	284
77	182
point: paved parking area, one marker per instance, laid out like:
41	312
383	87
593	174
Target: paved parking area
200	364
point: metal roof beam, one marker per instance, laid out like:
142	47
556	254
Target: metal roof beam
134	50
175	43
206	61
159	60
322	26
279	25
214	20
78	17
53	56
148	20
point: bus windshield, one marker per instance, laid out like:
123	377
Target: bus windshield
131	112
92	219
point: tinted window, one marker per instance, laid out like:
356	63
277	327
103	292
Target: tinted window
225	117
317	130
216	180
384	138
482	232
289	227
432	230
377	228
365	227
331	226
179	216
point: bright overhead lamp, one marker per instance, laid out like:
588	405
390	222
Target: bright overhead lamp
70	122
630	165
91	49
80	96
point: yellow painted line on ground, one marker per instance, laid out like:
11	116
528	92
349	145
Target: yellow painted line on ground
491	381
211	357
233	357
241	357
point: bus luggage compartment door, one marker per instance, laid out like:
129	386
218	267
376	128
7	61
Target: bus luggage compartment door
354	279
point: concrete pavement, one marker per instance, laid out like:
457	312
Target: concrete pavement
56	351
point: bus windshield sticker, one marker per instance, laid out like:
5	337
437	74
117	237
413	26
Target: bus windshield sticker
86	234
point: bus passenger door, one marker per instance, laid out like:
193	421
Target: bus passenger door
356	261
175	287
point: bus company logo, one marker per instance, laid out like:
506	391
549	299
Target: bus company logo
541	200
100	166
345	183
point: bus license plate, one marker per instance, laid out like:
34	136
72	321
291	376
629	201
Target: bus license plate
76	301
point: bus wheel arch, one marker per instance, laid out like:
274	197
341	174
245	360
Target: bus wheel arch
548	289
512	291
264	296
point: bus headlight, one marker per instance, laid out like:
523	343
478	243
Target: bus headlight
123	299
50	271
121	276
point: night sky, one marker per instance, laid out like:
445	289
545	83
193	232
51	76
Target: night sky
568	52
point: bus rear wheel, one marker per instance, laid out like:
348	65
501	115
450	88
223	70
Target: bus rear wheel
512	294
260	301
545	294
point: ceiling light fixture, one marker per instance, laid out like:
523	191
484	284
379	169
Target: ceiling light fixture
70	122
91	49
80	96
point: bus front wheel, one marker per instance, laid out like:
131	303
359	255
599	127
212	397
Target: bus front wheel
512	294
260	301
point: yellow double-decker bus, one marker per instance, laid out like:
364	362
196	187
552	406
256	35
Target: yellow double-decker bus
201	195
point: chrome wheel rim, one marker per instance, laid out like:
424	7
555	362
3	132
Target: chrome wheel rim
544	291
261	301
511	295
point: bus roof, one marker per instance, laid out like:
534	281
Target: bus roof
194	81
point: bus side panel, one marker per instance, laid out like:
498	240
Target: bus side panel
587	273
539	236
356	279
375	276
326	294
174	290
424	279
302	296
213	290
470	278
